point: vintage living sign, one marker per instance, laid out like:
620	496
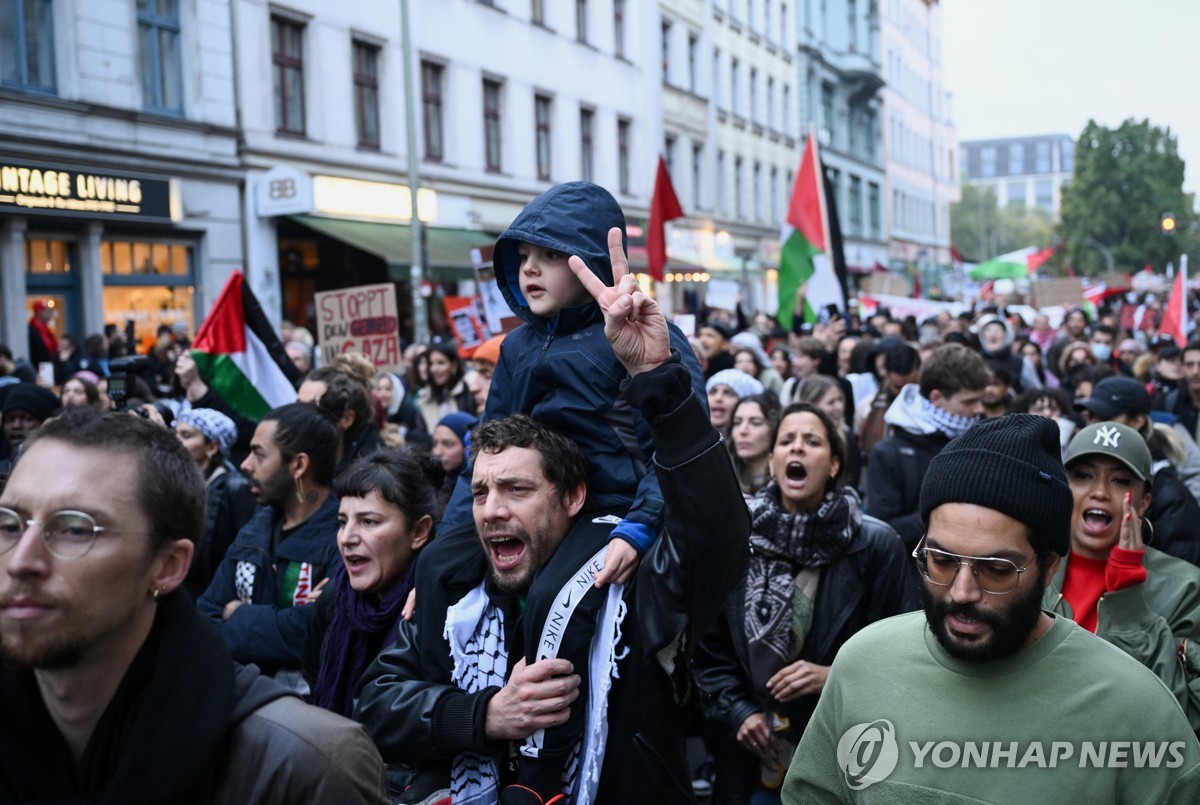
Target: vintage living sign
360	319
31	188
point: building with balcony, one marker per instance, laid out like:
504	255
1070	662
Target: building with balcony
1026	171
919	139
840	77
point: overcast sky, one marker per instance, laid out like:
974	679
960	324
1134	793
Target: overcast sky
1020	67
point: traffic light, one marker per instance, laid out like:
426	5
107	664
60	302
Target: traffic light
1168	223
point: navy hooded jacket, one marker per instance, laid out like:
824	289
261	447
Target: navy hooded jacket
563	372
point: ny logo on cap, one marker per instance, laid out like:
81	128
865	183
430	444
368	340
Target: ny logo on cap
1108	434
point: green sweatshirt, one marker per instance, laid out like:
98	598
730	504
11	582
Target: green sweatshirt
1069	719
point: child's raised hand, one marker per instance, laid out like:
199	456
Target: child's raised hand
620	563
633	323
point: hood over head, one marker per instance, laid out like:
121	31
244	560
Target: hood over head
571	218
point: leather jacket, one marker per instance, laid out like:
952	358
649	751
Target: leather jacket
676	595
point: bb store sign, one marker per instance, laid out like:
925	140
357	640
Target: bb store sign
42	189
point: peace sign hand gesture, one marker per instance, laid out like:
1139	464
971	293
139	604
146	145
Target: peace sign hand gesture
633	322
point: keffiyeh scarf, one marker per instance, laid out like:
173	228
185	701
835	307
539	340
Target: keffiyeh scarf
779	593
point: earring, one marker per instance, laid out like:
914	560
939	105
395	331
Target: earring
155	593
1146	521
299	490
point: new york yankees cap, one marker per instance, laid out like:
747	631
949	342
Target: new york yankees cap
1116	441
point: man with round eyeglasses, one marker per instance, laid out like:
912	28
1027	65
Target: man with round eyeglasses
112	687
985	696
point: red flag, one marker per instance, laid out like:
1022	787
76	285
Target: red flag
1174	321
664	206
1034	261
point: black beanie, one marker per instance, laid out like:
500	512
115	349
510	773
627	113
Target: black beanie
1012	464
36	401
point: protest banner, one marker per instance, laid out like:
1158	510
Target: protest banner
360	319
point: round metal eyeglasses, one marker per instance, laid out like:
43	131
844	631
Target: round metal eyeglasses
67	534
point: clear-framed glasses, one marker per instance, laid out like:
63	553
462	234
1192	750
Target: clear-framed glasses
993	574
67	534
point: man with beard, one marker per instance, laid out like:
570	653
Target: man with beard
112	687
477	727
984	695
282	557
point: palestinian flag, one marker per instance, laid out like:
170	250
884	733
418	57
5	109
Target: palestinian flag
239	355
808	246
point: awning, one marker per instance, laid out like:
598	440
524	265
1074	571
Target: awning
449	249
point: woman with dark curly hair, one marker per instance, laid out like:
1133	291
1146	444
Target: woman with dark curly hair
819	571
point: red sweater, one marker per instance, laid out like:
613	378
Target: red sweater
1087	580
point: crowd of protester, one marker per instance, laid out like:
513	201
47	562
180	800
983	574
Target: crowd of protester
336	543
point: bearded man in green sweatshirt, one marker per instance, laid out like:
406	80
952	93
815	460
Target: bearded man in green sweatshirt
985	696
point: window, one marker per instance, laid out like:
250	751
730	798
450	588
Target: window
754	94
491	124
717	96
1043	192
774	191
666	50
432	110
158	36
734	77
27	44
587	144
757	190
1016	194
1042	158
722	195
537	12
783	27
693	47
541	115
868	133
669	155
771	102
1068	156
827	109
581	20
855	203
739	207
623	127
366	94
987	160
767	21
287	57
619	28
1016	159
852	22
787	111
697	173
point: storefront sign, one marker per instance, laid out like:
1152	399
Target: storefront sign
34	189
360	319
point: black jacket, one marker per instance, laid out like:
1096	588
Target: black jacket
1173	515
676	595
261	632
894	473
868	583
1179	403
229	506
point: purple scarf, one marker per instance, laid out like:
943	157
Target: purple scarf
358	629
